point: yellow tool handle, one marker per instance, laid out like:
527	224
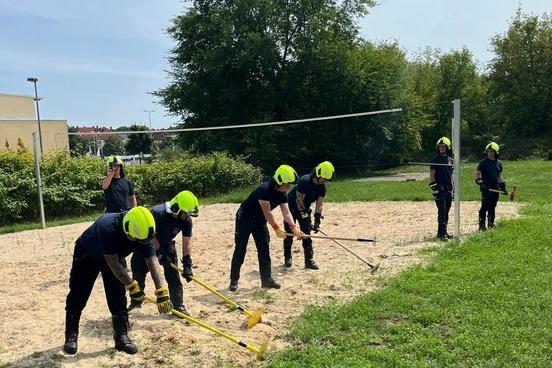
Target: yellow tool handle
222	296
249	347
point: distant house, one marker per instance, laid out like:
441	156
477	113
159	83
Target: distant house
18	122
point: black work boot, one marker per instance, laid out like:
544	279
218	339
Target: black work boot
309	263
181	309
71	332
134	304
233	285
490	222
270	284
288	263
482	226
120	334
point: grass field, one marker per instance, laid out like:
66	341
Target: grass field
484	303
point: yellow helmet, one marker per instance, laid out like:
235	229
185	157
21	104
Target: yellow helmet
445	141
494	146
325	170
185	201
139	224
285	174
114	160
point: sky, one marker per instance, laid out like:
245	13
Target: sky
97	61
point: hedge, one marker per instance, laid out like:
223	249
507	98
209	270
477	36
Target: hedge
72	185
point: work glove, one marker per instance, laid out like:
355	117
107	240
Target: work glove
134	291
297	232
164	259
317	218
502	187
434	189
187	272
481	184
164	304
279	232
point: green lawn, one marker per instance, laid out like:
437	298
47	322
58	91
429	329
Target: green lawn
485	303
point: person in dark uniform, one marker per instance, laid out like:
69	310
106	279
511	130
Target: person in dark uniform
251	219
118	190
310	188
171	218
489	176
99	250
440	184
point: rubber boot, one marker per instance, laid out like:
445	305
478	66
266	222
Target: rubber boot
71	332
288	242
120	334
490	221
482	226
233	285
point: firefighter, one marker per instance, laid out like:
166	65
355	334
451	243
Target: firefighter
489	176
440	184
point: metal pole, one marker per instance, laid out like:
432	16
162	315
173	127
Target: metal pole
456	174
38	182
35	80
149	116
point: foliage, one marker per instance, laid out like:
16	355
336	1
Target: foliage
520	84
138	143
113	145
71	185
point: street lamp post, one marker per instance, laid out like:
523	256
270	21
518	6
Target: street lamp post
149	116
34	80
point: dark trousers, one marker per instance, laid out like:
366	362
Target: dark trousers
257	227
443	200
84	272
140	270
305	227
488	204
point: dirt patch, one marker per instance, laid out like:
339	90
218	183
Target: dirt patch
36	268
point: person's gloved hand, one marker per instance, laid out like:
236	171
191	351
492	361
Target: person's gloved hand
481	184
164	259
317	219
164	304
134	291
279	232
502	186
297	232
187	272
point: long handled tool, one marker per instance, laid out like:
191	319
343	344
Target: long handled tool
374	267
254	317
258	350
512	194
336	238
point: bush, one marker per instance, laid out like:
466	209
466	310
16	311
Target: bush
72	185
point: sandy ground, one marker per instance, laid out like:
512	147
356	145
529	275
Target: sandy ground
36	265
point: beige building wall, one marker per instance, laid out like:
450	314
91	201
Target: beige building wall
17	107
54	134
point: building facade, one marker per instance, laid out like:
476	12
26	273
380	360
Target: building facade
18	122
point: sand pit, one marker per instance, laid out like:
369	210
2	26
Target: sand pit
36	268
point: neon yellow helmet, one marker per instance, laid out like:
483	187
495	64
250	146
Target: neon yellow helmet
445	141
285	174
114	160
185	201
325	170
494	146
139	224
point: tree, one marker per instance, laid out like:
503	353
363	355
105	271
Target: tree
520	83
246	61
138	143
113	145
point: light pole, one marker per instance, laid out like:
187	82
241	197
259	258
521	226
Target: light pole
34	80
149	116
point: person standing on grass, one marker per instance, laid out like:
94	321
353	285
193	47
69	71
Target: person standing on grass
100	250
118	190
251	219
310	189
440	184
171	218
489	176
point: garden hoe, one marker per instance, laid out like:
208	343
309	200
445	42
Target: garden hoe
254	317
258	350
374	267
